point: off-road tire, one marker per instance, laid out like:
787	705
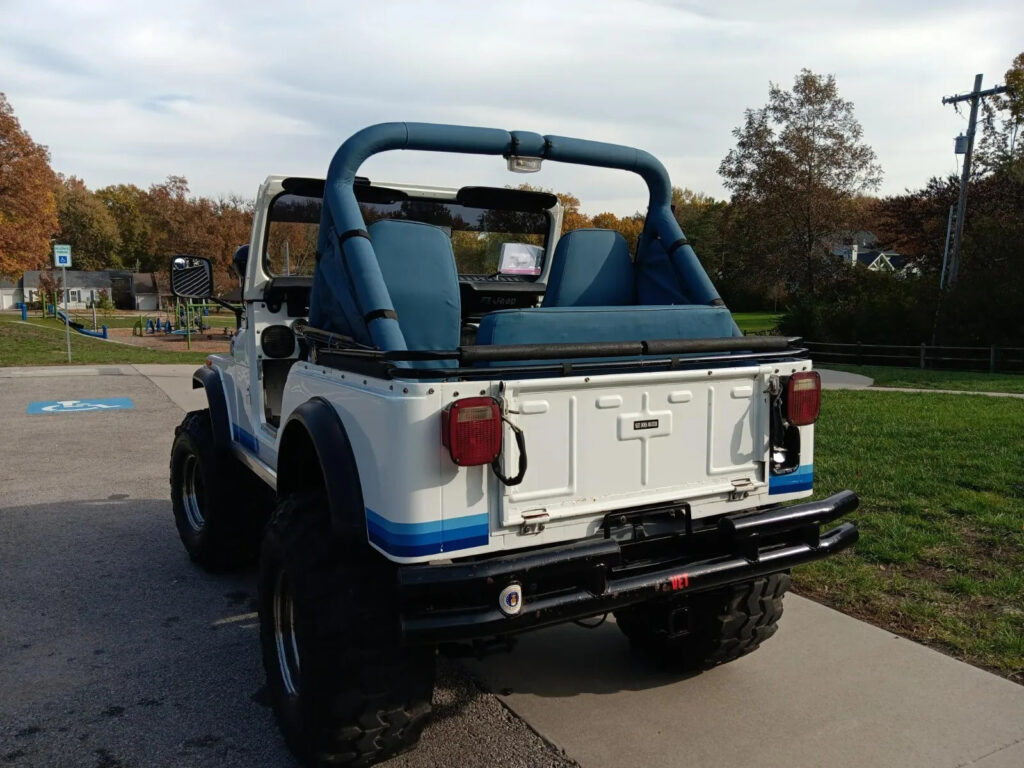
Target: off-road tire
220	507
354	695
718	626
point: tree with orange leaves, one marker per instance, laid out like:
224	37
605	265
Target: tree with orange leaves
28	211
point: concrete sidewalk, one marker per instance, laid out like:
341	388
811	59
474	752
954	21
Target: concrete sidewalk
842	380
924	391
827	690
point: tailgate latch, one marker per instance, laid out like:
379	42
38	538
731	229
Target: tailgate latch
741	488
533	523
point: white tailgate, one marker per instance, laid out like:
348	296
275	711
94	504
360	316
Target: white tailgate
608	442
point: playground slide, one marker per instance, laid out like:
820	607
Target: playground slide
81	328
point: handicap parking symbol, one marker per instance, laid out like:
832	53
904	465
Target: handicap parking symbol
81	406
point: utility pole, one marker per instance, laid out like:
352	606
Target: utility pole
975	98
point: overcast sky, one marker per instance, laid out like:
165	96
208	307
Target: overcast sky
227	93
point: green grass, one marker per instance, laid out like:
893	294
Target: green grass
754	322
941	554
42	343
917	378
84	316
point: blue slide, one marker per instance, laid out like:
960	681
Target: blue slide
81	328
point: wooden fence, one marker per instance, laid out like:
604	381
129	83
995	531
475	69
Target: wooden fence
991	359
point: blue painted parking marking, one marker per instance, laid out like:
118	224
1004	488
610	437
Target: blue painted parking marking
81	406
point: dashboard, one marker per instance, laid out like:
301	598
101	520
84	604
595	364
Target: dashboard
481	294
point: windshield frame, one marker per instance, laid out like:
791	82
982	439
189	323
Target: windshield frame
374	194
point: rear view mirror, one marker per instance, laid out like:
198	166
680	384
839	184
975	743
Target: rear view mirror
191	277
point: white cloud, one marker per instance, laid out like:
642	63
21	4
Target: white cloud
226	93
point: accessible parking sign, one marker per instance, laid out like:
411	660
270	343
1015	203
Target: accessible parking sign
62	256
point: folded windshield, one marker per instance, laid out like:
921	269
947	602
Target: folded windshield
484	240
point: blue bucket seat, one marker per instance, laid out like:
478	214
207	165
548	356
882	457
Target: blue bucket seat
591	268
418	267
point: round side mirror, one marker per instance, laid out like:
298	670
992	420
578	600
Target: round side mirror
239	262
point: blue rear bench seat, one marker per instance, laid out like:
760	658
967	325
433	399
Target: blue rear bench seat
592	296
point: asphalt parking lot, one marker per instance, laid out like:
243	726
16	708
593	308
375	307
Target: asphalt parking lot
116	651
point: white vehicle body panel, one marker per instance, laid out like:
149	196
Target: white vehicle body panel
595	444
586	459
616	441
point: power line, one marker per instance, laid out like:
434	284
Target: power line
975	97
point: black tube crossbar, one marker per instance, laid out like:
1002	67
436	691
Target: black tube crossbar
494	352
500	352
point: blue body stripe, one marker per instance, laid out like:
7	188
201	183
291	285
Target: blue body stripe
416	539
246	440
802	479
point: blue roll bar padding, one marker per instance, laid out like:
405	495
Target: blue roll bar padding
341	211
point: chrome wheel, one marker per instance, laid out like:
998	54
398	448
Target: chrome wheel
284	635
192	492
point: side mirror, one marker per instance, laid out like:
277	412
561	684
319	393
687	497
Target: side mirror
191	277
239	261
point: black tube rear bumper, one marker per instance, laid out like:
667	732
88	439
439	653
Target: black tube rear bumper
459	601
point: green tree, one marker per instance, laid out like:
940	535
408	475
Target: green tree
86	225
1001	146
703	221
28	211
798	164
1014	80
127	204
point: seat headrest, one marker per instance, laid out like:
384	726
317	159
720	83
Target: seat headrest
591	268
418	266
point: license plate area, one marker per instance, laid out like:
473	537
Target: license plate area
629	441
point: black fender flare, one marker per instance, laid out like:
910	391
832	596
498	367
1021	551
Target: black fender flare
316	424
210	380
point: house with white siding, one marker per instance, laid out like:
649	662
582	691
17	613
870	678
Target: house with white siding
128	290
10	294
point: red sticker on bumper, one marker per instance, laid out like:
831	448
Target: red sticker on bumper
681	581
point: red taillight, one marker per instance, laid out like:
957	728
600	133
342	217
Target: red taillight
803	398
471	430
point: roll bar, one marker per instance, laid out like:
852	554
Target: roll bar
342	216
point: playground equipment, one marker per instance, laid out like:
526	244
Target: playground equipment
184	319
63	317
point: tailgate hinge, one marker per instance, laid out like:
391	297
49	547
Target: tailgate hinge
741	488
533	523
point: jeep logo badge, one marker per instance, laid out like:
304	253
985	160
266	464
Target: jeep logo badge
646	424
510	601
